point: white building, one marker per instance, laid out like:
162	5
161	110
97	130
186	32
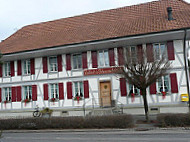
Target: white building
69	64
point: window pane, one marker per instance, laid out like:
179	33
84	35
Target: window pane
157	51
81	89
106	58
74	62
163	49
166	83
76	89
101	58
79	61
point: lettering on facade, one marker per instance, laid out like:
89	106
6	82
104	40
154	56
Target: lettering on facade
103	71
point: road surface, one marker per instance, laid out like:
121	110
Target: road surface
98	136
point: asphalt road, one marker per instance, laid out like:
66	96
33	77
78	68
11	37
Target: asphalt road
98	136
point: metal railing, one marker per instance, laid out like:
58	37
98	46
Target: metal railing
98	103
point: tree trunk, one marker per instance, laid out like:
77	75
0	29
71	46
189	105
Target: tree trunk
145	104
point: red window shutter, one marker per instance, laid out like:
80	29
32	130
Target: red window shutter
120	56
86	89
69	90
111	57
1	73
174	83
12	68
0	95
13	90
149	52
84	60
59	61
153	88
18	92
94	59
170	48
140	53
123	88
68	62
34	92
19	68
45	67
46	92
61	91
32	65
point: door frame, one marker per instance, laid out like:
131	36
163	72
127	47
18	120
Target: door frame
104	81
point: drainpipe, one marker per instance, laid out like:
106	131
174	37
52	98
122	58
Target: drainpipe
186	65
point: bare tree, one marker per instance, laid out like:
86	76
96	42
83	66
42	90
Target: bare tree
141	72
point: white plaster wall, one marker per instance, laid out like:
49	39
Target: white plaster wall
93	99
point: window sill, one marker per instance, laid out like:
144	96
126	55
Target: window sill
77	69
26	75
54	100
52	72
102	67
6	76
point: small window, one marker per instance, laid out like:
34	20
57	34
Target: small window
7	69
163	84
27	93
52	64
26	67
54	92
77	61
78	89
103	58
133	90
159	51
7	94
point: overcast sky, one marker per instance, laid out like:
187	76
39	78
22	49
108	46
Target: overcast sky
14	14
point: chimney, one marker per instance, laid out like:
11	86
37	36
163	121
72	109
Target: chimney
169	10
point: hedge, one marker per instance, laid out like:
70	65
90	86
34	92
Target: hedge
173	120
112	121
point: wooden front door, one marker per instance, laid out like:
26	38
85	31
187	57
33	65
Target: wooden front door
105	94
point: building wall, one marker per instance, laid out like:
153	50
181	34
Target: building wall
40	78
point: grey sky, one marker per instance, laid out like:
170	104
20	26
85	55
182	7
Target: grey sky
15	14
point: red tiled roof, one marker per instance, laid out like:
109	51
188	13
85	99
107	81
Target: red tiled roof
126	21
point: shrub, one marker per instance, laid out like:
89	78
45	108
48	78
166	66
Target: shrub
112	121
173	120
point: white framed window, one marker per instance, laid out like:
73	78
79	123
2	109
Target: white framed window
53	64
163	84
26	67
7	69
77	61
159	50
54	91
103	58
132	51
78	89
27	92
133	90
7	93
